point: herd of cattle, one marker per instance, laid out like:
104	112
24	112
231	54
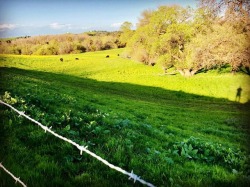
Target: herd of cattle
107	56
61	59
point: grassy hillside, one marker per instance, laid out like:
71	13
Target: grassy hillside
94	65
169	130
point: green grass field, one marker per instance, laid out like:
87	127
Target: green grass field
170	130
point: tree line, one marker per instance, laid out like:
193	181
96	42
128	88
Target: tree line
61	44
215	35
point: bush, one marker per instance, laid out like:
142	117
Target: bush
61	44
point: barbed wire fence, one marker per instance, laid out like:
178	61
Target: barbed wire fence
13	176
81	148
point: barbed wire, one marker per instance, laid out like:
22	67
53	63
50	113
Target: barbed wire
13	176
82	148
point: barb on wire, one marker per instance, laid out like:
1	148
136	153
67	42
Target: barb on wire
13	176
81	148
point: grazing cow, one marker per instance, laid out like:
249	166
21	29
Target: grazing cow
76	58
152	63
118	54
61	59
107	56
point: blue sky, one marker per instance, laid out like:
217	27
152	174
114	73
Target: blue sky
41	17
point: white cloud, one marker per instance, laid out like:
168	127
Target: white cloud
60	26
7	26
116	25
85	27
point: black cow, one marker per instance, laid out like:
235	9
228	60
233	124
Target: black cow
152	63
107	56
61	59
76	58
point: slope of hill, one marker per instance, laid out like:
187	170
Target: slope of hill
169	130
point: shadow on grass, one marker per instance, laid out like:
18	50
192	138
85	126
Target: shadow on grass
122	90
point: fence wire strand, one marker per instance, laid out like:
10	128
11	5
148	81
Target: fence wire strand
81	148
13	176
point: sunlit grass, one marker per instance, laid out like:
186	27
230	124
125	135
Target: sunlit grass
96	66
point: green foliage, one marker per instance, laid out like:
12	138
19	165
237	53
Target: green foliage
8	99
46	50
127	33
226	47
166	31
192	40
62	44
209	152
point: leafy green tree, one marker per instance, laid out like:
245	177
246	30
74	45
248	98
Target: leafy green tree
192	40
165	31
126	29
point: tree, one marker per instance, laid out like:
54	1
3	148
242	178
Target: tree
191	40
237	12
240	7
126	29
164	31
61	44
126	26
232	41
145	18
220	47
